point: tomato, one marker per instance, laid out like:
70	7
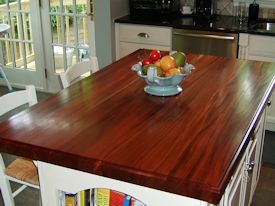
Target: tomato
155	55
146	61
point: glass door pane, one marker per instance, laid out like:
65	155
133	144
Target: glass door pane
69	28
17	50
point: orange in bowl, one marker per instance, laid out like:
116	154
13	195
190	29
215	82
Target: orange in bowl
172	71
167	62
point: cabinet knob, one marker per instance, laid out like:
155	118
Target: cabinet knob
144	35
250	166
268	103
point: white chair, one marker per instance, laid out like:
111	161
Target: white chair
74	72
21	170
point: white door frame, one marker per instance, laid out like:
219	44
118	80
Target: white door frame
53	81
21	77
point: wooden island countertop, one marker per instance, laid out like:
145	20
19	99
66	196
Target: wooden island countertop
188	144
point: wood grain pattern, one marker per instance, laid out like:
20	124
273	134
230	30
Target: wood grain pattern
187	144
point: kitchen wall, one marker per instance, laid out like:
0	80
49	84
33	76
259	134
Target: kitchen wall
102	31
105	11
226	7
119	8
267	13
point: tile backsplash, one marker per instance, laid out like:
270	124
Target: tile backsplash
226	7
267	13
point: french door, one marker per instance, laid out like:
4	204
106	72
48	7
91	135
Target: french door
68	36
21	53
46	37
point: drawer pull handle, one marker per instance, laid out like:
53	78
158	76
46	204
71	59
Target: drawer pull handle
209	36
144	35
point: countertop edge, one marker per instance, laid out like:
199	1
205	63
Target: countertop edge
240	152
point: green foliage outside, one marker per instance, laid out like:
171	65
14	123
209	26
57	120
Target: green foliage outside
79	9
12	16
4	1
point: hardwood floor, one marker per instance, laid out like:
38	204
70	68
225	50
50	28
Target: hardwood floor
264	195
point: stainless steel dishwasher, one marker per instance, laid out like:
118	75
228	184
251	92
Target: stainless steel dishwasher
204	42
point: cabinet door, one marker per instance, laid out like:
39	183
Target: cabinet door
249	173
259	135
234	195
270	118
261	46
241	188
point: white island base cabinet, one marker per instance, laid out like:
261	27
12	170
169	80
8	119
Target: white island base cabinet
54	179
239	192
242	185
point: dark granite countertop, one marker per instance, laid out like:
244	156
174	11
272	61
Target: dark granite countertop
222	23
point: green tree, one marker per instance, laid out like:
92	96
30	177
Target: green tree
79	9
4	1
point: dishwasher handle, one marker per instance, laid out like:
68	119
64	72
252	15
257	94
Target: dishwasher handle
209	36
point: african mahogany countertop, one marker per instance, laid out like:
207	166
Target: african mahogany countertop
107	125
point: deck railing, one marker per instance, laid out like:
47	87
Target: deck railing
21	29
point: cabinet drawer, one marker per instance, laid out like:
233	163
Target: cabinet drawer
261	46
127	48
145	34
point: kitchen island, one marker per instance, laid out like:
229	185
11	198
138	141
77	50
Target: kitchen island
105	131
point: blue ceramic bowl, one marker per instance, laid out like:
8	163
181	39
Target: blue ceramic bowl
162	86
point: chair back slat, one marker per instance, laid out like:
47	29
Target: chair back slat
15	99
9	102
75	71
